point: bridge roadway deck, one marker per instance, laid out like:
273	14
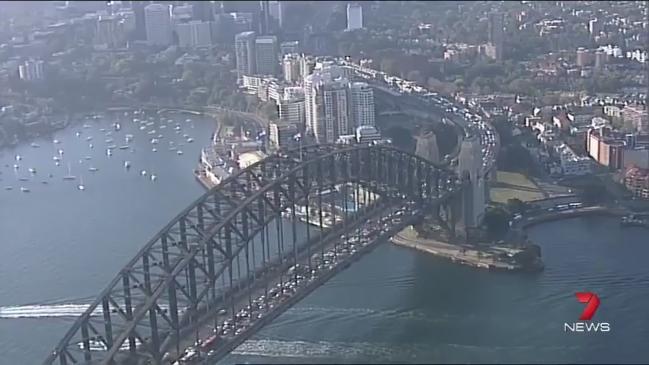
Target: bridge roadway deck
303	292
243	292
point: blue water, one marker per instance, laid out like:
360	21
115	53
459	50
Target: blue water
59	245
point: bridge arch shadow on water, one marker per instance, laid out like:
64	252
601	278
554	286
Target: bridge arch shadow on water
203	256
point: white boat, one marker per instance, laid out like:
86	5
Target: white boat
93	169
91	146
128	138
78	134
187	120
35	145
56	141
32	170
177	128
190	140
60	152
179	152
143	172
109	152
89	138
127	164
81	186
185	135
57	163
56	158
123	147
154	150
24	189
154	141
151	131
153	177
160	136
109	140
163	126
69	176
142	128
102	129
88	157
18	158
172	148
16	167
117	126
111	147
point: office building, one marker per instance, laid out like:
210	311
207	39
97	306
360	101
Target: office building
244	49
140	20
362	104
291	68
327	108
277	12
202	10
307	65
354	17
264	17
182	13
289	47
158	24
367	134
106	33
196	33
292	108
266	55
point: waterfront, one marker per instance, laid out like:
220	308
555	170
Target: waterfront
61	245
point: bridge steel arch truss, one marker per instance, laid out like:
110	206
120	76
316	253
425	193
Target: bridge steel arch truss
196	260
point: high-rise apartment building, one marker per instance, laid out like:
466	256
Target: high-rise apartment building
496	36
354	16
289	47
31	70
244	49
291	68
158	24
266	55
327	106
362	104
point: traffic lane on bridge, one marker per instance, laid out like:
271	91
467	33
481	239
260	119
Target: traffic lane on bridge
281	291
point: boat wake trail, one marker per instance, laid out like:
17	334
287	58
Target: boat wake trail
45	311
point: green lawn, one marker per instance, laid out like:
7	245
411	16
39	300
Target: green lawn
509	185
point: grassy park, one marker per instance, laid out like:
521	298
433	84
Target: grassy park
510	185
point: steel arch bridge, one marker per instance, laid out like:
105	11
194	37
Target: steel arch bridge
194	264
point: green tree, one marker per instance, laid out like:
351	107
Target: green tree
516	205
496	222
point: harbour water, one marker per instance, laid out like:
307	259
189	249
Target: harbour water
60	246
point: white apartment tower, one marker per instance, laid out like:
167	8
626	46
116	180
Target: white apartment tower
354	16
158	24
362	104
194	34
327	111
291	68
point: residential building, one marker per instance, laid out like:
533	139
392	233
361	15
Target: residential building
266	55
496	35
289	47
31	70
291	68
637	116
571	163
307	65
158	24
367	134
327	110
637	181
244	49
362	104
282	134
354	17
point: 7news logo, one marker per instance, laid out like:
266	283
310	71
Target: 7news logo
585	325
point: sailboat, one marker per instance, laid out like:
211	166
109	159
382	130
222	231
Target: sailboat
69	176
81	186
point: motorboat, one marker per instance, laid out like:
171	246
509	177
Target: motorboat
117	126
56	158
32	170
78	134
153	177
143	172
172	148
128	138
88	157
60	152
24	189
16	167
109	152
91	146
35	145
142	128
109	140
89	138
179	152
56	141
154	141
127	164
93	169
57	163
190	140
125	147
154	150
111	147
19	157
81	186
